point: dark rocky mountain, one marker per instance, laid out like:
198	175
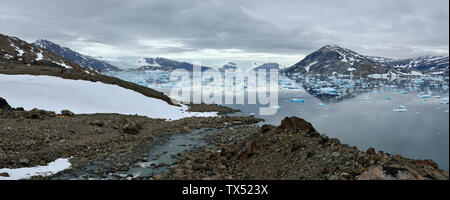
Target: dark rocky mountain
165	64
434	65
75	57
231	66
334	59
16	51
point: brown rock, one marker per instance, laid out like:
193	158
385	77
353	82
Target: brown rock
157	177
374	173
265	128
98	123
370	151
389	173
248	149
67	113
4	174
296	124
428	162
4	104
130	128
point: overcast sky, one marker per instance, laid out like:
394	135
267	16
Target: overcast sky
279	31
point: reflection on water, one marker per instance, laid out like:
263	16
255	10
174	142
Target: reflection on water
401	116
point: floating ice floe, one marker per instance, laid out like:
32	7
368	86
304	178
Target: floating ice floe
367	98
401	108
389	98
298	100
328	90
28	172
320	104
276	107
425	96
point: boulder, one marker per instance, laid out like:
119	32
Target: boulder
39	114
67	113
370	151
130	128
248	149
297	124
4	104
265	128
428	162
386	172
4	174
98	123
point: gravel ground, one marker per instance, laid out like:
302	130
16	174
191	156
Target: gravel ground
294	151
37	137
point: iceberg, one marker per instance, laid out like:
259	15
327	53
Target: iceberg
328	90
425	96
401	108
298	100
367	98
320	104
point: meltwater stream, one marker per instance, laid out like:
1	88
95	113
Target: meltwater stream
162	156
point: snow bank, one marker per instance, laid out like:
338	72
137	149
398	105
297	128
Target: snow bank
27	172
85	97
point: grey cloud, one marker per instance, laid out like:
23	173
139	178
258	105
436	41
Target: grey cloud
381	27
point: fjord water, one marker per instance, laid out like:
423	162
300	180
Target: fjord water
364	119
422	132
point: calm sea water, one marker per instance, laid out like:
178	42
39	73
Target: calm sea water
422	132
367	117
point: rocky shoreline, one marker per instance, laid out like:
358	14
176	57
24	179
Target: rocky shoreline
295	151
105	145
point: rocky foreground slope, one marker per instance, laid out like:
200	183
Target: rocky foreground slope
38	137
295	150
238	150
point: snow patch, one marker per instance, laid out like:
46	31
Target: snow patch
309	66
61	63
28	172
86	97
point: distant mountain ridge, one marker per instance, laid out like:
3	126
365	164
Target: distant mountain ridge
332	59
75	57
165	64
14	50
435	65
229	66
267	66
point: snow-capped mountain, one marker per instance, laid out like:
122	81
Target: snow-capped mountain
267	66
165	64
75	57
334	59
434	65
15	50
